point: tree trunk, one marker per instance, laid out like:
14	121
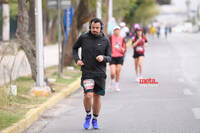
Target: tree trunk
23	36
27	42
32	19
82	15
51	36
44	16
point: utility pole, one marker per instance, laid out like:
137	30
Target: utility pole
110	10
40	89
59	39
110	17
198	11
99	10
188	2
39	43
198	14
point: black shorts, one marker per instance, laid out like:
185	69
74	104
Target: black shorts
99	87
117	60
136	55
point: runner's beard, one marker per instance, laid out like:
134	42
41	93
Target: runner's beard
95	33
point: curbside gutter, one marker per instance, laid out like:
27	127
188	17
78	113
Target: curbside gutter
33	115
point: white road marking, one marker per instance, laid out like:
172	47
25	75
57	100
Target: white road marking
196	112
187	92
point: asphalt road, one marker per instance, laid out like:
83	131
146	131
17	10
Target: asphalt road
171	106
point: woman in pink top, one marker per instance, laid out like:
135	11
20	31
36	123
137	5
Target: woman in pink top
118	46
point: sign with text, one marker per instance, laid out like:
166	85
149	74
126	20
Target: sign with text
65	4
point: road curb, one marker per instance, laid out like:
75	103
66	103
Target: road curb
33	115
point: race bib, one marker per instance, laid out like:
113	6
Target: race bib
88	84
117	45
139	49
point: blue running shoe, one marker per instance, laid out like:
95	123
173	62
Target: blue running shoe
95	124
87	122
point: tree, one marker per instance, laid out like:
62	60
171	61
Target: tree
163	2
83	14
122	7
24	38
141	11
143	16
32	20
44	14
52	27
27	42
3	1
127	10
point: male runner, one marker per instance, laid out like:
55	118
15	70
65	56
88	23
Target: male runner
95	54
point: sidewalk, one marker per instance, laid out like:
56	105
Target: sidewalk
21	65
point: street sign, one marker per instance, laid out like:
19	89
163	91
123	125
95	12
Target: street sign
68	17
65	4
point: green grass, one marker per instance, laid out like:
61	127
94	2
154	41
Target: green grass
51	68
13	108
55	74
7	118
24	79
66	81
3	97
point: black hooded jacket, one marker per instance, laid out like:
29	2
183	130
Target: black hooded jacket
91	47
